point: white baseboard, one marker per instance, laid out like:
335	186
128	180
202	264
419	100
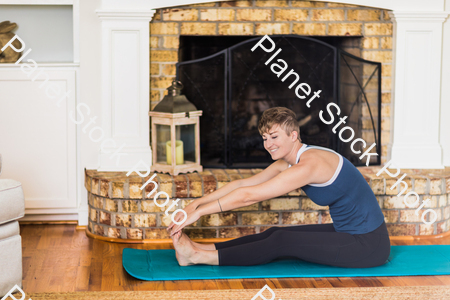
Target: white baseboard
46	217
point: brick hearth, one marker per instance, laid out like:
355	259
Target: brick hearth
118	209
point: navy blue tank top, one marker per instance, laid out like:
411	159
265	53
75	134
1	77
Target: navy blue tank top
353	206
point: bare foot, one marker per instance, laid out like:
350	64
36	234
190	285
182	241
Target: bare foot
202	246
208	247
185	251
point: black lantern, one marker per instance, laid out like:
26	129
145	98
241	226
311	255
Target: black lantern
175	133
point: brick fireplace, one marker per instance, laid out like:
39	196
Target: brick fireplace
119	211
257	18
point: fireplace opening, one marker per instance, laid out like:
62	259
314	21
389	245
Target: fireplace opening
233	86
195	47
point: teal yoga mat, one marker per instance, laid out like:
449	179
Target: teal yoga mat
403	261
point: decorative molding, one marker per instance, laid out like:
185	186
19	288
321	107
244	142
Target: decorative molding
125	14
417	64
419	16
125	85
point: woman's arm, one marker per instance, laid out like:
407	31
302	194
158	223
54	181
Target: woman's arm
210	198
296	176
263	176
235	199
228	188
268	173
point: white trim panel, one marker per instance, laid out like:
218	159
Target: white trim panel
417	84
125	87
38	139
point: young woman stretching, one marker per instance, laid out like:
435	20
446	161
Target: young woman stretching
357	238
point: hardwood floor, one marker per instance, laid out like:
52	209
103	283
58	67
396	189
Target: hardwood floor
59	258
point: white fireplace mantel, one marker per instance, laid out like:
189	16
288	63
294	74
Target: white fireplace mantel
419	138
416	133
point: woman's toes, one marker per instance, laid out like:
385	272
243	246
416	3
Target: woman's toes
183	248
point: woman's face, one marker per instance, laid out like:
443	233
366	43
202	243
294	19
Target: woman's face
277	142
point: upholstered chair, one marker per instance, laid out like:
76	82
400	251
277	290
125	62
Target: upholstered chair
12	208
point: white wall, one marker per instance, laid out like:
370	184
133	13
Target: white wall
89	93
36	26
90	77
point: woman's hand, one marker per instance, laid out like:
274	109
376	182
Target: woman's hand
191	218
179	216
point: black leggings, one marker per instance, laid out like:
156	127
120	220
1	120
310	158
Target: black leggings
317	243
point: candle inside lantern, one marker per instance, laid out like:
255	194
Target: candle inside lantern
179	152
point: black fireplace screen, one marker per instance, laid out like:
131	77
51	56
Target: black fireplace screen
233	87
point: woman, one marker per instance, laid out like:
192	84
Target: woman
357	238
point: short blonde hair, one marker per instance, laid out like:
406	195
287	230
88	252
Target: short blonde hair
282	116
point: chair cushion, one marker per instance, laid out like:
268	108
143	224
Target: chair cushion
10	264
9	229
12	202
